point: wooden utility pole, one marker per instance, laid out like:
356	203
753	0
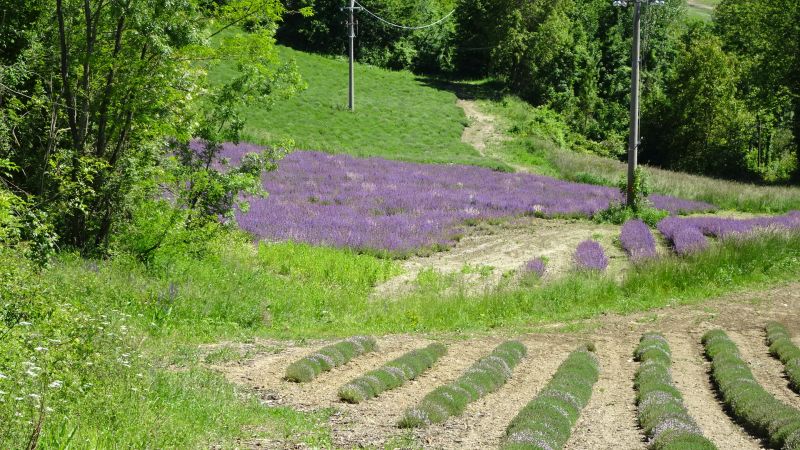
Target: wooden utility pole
633	139
351	103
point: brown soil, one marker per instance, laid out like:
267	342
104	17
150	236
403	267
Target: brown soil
609	420
507	247
482	129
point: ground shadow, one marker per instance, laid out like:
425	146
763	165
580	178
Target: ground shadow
467	89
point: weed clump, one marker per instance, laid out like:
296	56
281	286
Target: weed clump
546	422
392	375
746	400
485	376
326	358
782	347
662	414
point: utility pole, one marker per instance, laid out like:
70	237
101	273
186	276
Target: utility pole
634	139
351	25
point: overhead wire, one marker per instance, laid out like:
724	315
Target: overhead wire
405	27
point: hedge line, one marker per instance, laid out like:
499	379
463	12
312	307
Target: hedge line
326	358
746	400
392	375
485	376
662	414
782	347
546	422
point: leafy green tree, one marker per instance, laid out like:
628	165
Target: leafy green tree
102	87
697	124
765	37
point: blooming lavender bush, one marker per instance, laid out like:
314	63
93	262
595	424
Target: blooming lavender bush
637	240
685	237
376	204
688	234
536	266
590	256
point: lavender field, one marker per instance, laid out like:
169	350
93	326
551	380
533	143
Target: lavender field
377	204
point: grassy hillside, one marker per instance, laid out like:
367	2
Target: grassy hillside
397	116
702	9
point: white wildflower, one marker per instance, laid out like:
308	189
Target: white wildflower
56	384
2	376
24	324
41	349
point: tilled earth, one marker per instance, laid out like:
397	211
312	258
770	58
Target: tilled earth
608	421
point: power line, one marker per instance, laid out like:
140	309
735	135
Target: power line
404	27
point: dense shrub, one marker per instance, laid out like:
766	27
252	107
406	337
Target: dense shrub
637	240
590	256
685	237
745	399
485	376
546	422
536	266
392	375
782	347
662	414
326	358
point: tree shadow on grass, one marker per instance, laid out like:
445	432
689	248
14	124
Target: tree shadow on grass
467	89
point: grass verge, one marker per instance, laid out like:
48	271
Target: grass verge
662	414
746	400
485	376
392	375
546	422
326	358
782	347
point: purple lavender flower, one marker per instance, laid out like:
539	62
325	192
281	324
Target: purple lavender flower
637	240
590	256
536	266
685	237
376	204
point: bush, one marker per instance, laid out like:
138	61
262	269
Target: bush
685	237
782	347
662	414
745	399
392	375
487	375
590	256
327	358
637	240
546	422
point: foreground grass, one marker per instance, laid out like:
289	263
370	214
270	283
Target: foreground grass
396	117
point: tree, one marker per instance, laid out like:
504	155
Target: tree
698	124
765	36
103	86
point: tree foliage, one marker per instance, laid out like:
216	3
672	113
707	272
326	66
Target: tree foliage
97	89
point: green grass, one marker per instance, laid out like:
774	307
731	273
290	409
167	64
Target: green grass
745	399
326	358
485	376
662	414
782	347
392	375
546	422
397	115
702	9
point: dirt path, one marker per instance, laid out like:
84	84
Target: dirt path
508	247
609	420
482	129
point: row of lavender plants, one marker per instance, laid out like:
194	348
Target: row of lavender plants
546	422
392	375
662	414
377	204
690	234
326	358
487	375
782	347
746	399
